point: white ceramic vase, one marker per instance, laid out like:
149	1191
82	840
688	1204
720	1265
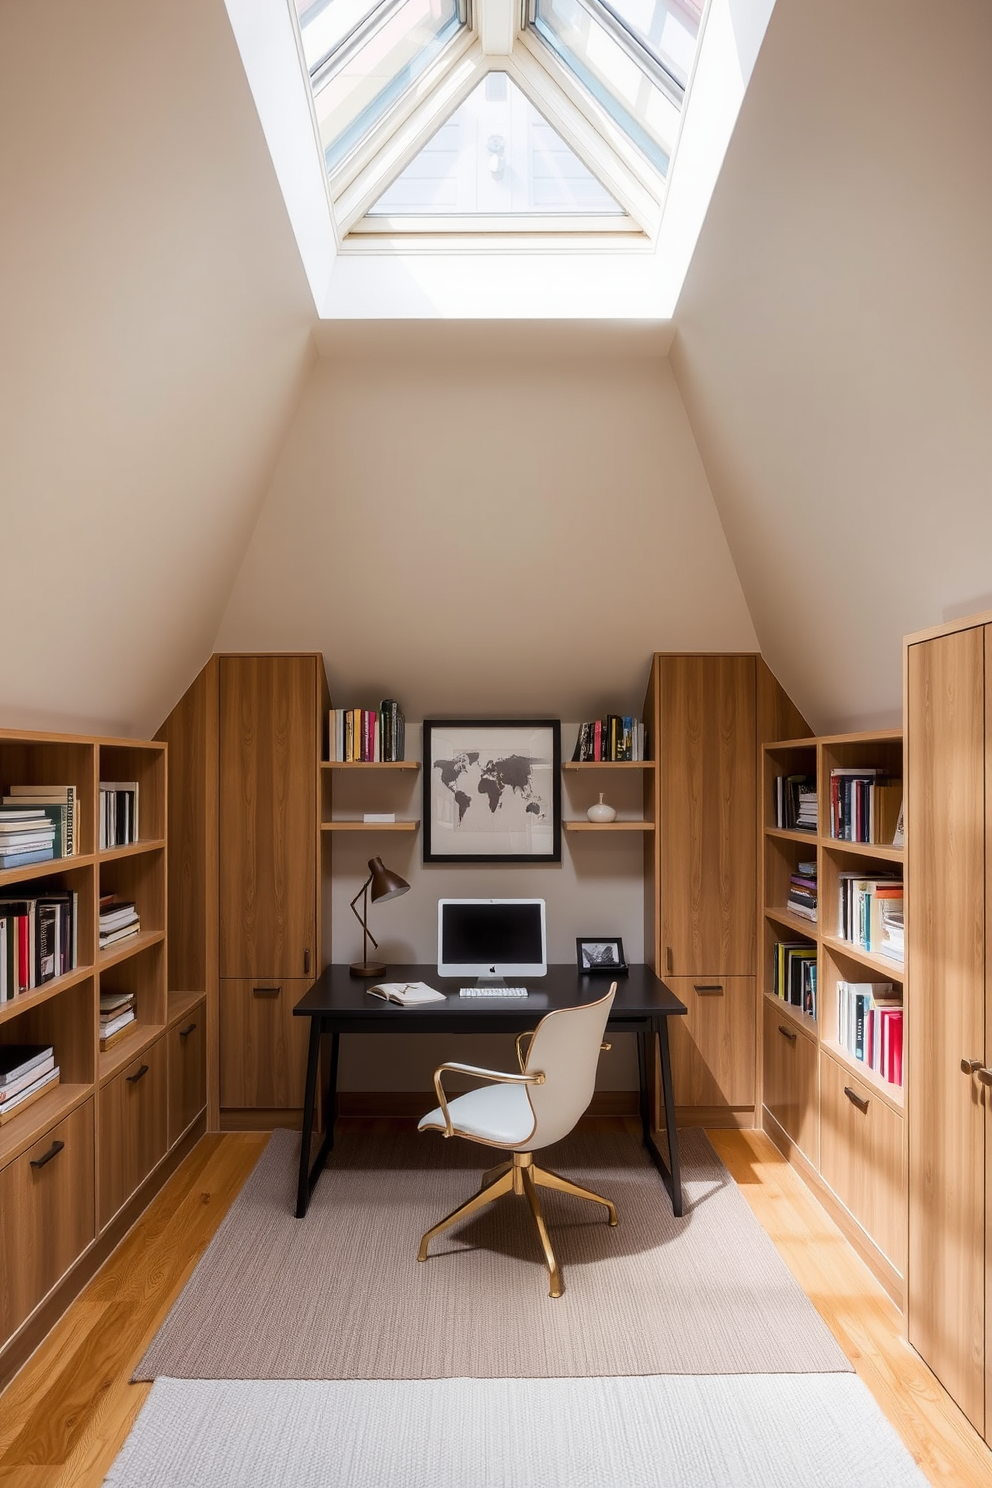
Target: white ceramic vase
601	812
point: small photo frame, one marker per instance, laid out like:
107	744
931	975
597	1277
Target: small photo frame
600	957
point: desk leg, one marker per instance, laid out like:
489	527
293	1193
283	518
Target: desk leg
306	1135
670	1170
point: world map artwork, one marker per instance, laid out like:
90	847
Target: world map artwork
490	786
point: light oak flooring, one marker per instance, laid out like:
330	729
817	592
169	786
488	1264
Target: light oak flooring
64	1417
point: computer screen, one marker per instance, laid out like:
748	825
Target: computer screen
491	938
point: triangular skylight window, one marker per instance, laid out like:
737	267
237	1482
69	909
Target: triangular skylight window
361	55
495	160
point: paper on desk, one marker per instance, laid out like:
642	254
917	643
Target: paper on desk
408	994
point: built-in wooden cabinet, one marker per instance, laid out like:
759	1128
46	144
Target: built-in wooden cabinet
247	921
949	800
133	1126
789	1091
187	1059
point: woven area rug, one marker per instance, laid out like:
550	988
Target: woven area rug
339	1295
798	1431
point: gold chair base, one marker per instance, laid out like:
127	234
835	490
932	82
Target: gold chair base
523	1177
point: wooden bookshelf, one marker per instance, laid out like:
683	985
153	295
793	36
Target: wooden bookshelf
838	1121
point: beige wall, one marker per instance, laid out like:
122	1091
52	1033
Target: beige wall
155	337
834	342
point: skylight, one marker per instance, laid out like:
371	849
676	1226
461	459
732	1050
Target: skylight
496	157
362	55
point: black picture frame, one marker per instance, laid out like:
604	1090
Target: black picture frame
589	951
492	790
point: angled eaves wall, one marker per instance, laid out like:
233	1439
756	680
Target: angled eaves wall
834	342
156	337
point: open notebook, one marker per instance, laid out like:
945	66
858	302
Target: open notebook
407	994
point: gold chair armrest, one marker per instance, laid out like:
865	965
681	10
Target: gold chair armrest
606	1046
500	1077
528	1033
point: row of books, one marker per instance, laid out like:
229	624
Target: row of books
118	920
802	891
117	1017
794	974
37	822
611	740
118	813
26	1072
368	735
795	803
865	806
870	914
38	940
869	1026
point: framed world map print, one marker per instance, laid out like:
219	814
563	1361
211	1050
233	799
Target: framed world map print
492	791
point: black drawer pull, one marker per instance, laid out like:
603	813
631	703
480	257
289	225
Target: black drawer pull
306	963
787	1033
265	991
708	989
855	1099
138	1075
46	1157
185	1032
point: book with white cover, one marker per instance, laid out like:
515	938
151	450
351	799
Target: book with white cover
407	994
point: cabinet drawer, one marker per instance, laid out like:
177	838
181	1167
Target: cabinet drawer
790	1080
187	1070
713	1046
133	1127
863	1156
46	1215
263	1048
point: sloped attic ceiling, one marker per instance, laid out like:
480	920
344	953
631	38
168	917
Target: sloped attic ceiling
834	342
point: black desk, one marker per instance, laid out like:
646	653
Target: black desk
339	1003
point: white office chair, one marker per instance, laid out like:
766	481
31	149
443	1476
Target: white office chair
524	1112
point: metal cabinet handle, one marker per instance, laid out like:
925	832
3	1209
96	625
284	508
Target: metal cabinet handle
265	991
976	1067
138	1075
787	1033
708	989
184	1033
306	963
46	1157
669	963
985	1075
855	1099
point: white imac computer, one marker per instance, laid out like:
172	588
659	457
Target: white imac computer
491	939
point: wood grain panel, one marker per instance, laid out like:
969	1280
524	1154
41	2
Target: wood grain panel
713	1046
133	1127
267	816
707	775
187	1041
263	1048
946	1022
790	1093
862	1157
46	1216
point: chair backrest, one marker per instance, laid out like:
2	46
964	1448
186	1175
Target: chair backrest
565	1047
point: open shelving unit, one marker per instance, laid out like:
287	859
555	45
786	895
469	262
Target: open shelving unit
604	769
838	1121
383	769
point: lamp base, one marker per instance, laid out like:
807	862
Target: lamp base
367	968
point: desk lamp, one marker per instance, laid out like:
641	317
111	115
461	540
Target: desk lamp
384	885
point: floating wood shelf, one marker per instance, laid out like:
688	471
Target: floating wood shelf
360	826
613	826
370	764
608	765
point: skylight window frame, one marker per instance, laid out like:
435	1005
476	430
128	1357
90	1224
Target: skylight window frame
340	55
604	15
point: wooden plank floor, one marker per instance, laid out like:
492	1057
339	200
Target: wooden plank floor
65	1416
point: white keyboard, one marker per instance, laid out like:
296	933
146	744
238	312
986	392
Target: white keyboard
492	991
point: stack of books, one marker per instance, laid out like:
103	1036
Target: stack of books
26	1072
865	806
611	740
869	1026
795	803
367	735
38	940
54	807
794	973
870	914
118	813
26	836
118	920
116	1017
802	891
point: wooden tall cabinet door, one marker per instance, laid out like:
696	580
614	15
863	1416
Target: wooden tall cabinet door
267	816
706	754
946	880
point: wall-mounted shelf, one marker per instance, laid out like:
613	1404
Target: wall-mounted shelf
608	765
370	764
358	826
613	826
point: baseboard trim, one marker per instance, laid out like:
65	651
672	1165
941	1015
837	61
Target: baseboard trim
877	1262
35	1328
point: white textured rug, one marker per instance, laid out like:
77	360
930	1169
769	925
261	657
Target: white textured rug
753	1431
